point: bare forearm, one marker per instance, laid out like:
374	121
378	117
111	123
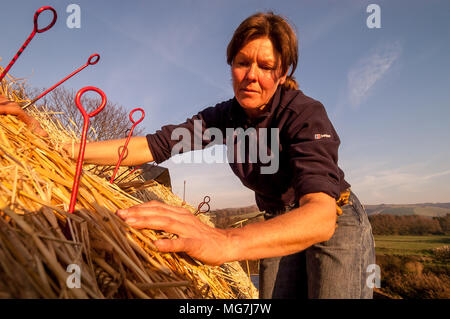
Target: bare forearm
108	152
294	231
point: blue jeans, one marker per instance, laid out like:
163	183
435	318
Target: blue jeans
334	269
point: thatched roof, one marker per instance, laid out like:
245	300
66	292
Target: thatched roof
39	239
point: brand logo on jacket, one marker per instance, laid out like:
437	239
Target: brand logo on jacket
320	136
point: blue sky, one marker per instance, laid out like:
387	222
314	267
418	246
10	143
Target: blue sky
386	90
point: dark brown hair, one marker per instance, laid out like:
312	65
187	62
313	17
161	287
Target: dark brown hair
280	33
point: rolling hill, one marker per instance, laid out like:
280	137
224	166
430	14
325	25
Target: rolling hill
423	209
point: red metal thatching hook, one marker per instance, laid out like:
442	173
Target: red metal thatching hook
128	140
30	37
93	59
86	117
206	201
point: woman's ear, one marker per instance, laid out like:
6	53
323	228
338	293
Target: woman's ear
283	78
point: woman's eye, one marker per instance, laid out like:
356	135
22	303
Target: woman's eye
267	67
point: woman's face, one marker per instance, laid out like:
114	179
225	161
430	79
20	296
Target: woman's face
256	73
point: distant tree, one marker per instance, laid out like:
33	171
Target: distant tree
382	224
385	224
111	123
422	225
444	222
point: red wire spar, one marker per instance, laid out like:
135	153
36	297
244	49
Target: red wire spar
93	59
206	201
128	140
86	117
30	37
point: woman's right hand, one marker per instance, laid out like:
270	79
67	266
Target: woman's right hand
12	108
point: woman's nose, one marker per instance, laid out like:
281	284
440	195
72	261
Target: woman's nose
252	72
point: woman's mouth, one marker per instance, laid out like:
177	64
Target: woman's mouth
249	91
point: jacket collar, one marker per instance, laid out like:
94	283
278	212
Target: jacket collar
240	118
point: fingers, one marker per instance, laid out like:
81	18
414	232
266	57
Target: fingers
164	223
157	204
32	123
171	245
40	131
36	127
151	208
8	107
159	216
156	222
144	212
195	238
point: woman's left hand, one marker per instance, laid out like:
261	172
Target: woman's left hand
12	108
195	238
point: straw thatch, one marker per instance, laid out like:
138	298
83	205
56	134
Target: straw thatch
39	239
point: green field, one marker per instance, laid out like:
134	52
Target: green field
409	245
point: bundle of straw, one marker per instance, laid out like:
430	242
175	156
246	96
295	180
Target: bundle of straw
40	244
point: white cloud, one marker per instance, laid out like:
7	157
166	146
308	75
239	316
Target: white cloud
443	173
401	185
370	69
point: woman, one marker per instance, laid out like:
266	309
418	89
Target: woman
302	252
